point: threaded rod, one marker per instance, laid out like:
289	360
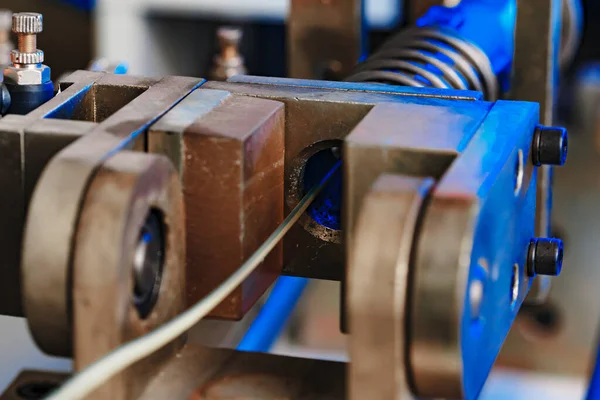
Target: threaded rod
27	42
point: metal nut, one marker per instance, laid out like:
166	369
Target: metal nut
28	23
27	58
30	75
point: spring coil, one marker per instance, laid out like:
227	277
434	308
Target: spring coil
429	57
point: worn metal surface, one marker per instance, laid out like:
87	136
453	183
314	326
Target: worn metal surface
318	117
324	38
29	137
53	217
360	87
231	165
124	190
200	373
535	75
469	266
407	139
378	287
33	385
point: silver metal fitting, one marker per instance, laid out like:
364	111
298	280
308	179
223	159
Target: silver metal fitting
36	74
27	26
27	59
228	62
37	57
27	23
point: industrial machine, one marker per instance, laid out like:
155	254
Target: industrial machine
133	207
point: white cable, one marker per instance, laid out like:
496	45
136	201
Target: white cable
94	375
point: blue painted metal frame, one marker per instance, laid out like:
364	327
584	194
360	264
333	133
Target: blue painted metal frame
505	217
274	315
85	5
594	388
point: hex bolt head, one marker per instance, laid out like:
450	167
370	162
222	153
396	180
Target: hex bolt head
550	146
27	23
545	257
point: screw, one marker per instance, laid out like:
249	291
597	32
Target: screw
550	146
27	26
545	257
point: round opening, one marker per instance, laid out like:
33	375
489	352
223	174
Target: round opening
539	321
514	285
36	390
148	263
326	209
519	172
322	218
476	298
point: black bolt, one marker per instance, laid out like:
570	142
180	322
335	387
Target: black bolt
545	257
550	146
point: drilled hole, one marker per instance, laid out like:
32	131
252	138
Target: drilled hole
540	321
148	263
326	210
514	286
519	167
35	390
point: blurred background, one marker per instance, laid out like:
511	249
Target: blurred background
551	347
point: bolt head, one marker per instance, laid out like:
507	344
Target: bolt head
550	146
545	257
30	75
27	23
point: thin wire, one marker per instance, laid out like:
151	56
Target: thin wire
89	379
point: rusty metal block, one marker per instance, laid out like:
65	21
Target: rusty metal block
55	205
319	115
378	286
407	139
231	166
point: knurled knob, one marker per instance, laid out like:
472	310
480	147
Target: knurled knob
27	23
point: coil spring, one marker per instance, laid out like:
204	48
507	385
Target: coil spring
429	57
